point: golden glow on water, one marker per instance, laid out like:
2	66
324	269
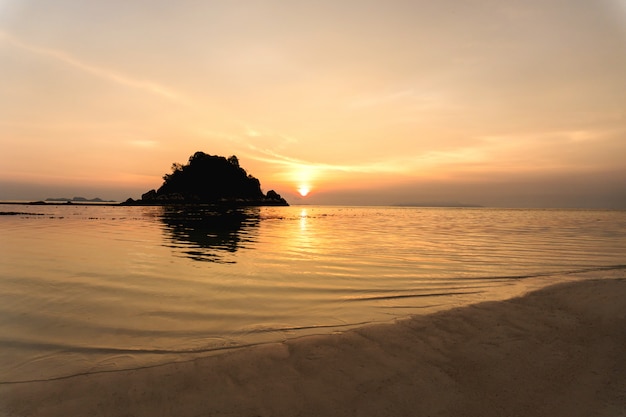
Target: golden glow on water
88	281
303	220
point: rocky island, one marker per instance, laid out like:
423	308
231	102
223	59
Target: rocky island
210	179
79	200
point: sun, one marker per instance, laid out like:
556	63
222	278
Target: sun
304	190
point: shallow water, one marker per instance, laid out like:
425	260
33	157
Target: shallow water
97	288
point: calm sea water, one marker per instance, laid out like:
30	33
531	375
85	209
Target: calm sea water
92	289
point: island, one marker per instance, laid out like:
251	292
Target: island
79	200
209	179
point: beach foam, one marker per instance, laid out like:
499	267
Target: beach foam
558	351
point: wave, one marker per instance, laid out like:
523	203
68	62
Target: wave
598	268
100	350
398	296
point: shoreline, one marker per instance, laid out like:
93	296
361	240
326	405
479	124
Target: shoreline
139	203
554	351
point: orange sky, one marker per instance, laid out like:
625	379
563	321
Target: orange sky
504	103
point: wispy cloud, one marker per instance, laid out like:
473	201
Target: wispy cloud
275	158
108	74
259	134
427	163
143	143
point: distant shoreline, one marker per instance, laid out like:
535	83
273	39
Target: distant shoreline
80	200
438	204
61	203
240	204
140	203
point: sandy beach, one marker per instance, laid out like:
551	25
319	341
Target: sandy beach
558	351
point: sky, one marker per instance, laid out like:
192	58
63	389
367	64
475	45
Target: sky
516	103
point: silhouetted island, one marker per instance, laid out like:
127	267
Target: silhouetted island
210	179
80	200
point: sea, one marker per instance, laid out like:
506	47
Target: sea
99	288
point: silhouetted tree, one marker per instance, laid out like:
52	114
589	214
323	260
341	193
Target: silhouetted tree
176	167
234	161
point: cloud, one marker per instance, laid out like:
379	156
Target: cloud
143	143
146	86
277	159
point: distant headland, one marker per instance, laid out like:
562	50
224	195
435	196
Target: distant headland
439	204
209	179
79	200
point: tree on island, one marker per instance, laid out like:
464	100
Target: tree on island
210	179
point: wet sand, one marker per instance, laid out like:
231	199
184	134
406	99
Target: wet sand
559	351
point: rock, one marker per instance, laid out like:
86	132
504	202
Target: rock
150	195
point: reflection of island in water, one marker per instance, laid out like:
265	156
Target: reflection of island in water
209	233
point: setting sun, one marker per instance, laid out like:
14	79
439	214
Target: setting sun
304	190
